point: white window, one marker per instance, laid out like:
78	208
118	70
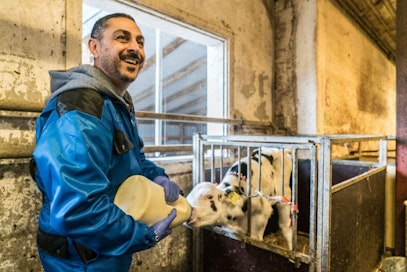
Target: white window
183	75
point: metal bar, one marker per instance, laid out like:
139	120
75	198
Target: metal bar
282	171
349	182
213	169
265	139
238	159
304	145
259	172
197	174
341	139
220	163
26	151
196	163
168	148
248	188
358	163
313	209
294	197
383	152
34	111
324	206
200	119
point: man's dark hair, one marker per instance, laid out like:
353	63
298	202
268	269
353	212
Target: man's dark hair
101	24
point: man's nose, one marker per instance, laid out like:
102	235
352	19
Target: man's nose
136	46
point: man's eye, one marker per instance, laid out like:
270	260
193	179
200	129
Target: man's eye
122	38
141	43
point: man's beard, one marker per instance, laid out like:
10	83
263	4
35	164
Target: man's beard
114	70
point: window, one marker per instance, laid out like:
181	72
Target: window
183	75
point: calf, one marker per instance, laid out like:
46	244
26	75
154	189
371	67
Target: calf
226	204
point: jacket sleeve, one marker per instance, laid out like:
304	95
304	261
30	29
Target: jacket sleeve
72	157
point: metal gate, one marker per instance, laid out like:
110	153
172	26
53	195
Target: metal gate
213	154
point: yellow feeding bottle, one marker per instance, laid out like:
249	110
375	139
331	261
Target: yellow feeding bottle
145	201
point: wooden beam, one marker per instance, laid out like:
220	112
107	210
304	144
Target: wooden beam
166	51
172	78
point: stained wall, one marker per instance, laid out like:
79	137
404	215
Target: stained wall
338	79
45	35
356	83
303	65
31	43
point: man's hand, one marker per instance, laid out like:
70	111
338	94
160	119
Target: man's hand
171	189
161	228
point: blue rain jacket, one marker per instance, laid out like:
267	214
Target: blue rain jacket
87	145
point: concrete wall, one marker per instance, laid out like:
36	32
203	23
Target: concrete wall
356	84
32	42
44	35
330	77
312	71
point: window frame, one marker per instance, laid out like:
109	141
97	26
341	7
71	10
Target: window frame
201	36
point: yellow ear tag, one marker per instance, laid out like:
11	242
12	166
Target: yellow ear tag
233	197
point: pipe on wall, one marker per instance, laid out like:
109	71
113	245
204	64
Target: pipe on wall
405	242
390	192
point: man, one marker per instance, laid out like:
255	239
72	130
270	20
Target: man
87	145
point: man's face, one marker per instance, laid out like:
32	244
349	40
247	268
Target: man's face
120	52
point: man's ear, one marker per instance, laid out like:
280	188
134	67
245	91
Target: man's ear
93	45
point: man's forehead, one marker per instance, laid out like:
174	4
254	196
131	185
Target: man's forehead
123	23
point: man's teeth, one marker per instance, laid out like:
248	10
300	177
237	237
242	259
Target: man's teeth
132	61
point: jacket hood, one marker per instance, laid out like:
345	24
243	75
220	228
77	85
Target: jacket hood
83	77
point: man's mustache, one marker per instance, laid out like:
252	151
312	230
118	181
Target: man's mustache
133	55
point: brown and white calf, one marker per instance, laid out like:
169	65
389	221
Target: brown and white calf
226	204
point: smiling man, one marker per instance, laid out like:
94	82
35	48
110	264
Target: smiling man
87	145
118	49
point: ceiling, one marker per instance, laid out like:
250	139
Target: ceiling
378	19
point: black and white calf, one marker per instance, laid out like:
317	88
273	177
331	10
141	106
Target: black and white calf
226	204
